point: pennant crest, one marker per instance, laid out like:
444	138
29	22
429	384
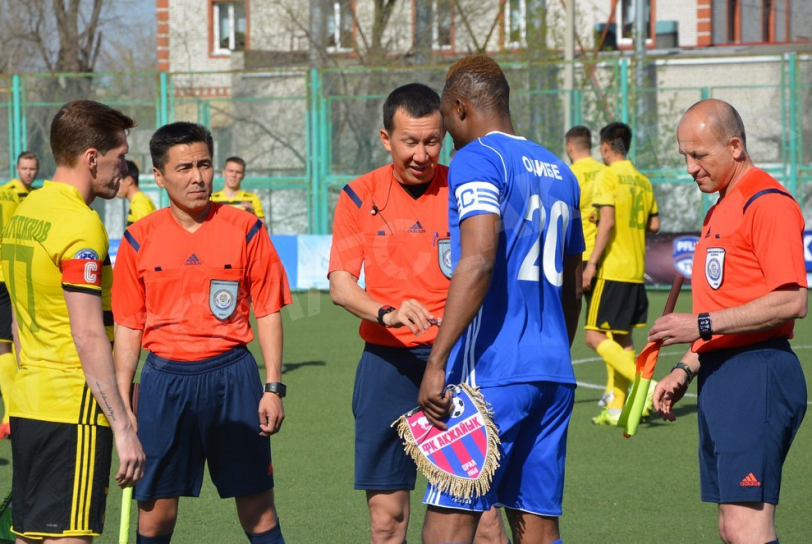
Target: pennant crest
444	256
715	266
223	298
461	460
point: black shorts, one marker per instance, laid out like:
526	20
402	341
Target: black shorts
60	477
616	306
5	314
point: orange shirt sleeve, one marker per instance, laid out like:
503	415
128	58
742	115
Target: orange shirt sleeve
777	232
269	288
347	251
129	296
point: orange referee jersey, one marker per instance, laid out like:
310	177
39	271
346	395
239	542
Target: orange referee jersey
190	292
751	244
403	247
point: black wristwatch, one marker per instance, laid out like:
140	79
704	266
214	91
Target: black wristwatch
382	311
277	388
703	322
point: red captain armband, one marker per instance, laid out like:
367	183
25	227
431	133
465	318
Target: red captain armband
82	272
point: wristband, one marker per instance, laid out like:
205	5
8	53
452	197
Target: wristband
687	370
382	311
277	388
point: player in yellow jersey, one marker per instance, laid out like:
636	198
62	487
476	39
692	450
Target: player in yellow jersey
234	172
588	171
140	204
613	276
66	409
8	364
27	169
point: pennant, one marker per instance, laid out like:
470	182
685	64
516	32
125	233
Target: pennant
636	401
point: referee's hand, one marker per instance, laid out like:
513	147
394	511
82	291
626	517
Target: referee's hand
271	414
131	457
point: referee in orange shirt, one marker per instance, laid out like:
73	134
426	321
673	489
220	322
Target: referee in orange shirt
393	221
749	286
185	280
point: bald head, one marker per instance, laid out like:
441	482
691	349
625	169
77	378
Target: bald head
717	116
480	80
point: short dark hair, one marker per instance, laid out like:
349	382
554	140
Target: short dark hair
580	136
619	137
416	99
179	133
132	172
84	124
27	155
481	80
238	160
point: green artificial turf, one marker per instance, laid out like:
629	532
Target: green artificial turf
641	490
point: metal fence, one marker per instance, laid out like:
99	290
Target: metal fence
305	133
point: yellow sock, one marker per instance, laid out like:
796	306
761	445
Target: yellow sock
622	386
8	368
615	356
610	378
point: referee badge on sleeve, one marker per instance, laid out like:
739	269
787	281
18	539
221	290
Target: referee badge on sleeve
444	256
715	266
223	298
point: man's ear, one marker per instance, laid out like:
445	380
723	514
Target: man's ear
159	177
461	108
737	148
386	140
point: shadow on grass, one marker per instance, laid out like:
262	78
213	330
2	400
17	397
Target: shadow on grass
3	462
289	367
680	411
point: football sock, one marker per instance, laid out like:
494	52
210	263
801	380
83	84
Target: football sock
165	539
8	368
272	536
615	356
610	379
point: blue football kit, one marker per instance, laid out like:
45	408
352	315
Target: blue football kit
516	349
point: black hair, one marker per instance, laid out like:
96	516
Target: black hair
132	172
580	136
238	160
416	99
619	137
173	134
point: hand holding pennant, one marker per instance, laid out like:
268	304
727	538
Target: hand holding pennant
127	492
646	361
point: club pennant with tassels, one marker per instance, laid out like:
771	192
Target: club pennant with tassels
462	459
646	362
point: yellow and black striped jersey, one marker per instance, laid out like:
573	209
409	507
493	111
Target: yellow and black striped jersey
8	205
54	243
630	192
588	172
239	200
140	206
18	187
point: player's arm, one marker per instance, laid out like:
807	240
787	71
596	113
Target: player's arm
479	240
345	292
269	333
571	293
653	224
606	222
126	354
93	346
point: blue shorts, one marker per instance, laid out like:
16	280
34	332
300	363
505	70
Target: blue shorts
532	419
387	383
751	402
190	413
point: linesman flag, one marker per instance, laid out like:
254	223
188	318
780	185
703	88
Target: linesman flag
461	460
646	361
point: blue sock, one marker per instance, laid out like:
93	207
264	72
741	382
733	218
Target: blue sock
559	541
273	536
140	539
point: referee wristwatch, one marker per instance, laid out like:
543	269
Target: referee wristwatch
703	322
277	388
382	311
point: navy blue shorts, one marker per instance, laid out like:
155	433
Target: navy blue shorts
751	402
190	413
387	383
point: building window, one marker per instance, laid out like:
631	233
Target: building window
515	23
229	28
339	26
626	21
733	28
441	24
768	21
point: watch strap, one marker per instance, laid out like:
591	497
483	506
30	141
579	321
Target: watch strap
277	388
382	311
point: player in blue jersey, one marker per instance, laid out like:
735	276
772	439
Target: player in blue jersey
512	308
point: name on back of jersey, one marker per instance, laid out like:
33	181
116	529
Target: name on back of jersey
541	168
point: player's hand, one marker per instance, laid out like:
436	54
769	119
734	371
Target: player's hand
668	392
247	206
593	218
271	414
131	457
433	398
589	275
411	315
674	329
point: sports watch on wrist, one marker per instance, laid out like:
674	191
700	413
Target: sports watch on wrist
382	311
703	322
277	388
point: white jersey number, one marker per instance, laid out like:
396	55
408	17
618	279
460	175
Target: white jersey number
529	271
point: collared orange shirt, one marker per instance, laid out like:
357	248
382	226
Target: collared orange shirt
751	244
190	292
403	247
